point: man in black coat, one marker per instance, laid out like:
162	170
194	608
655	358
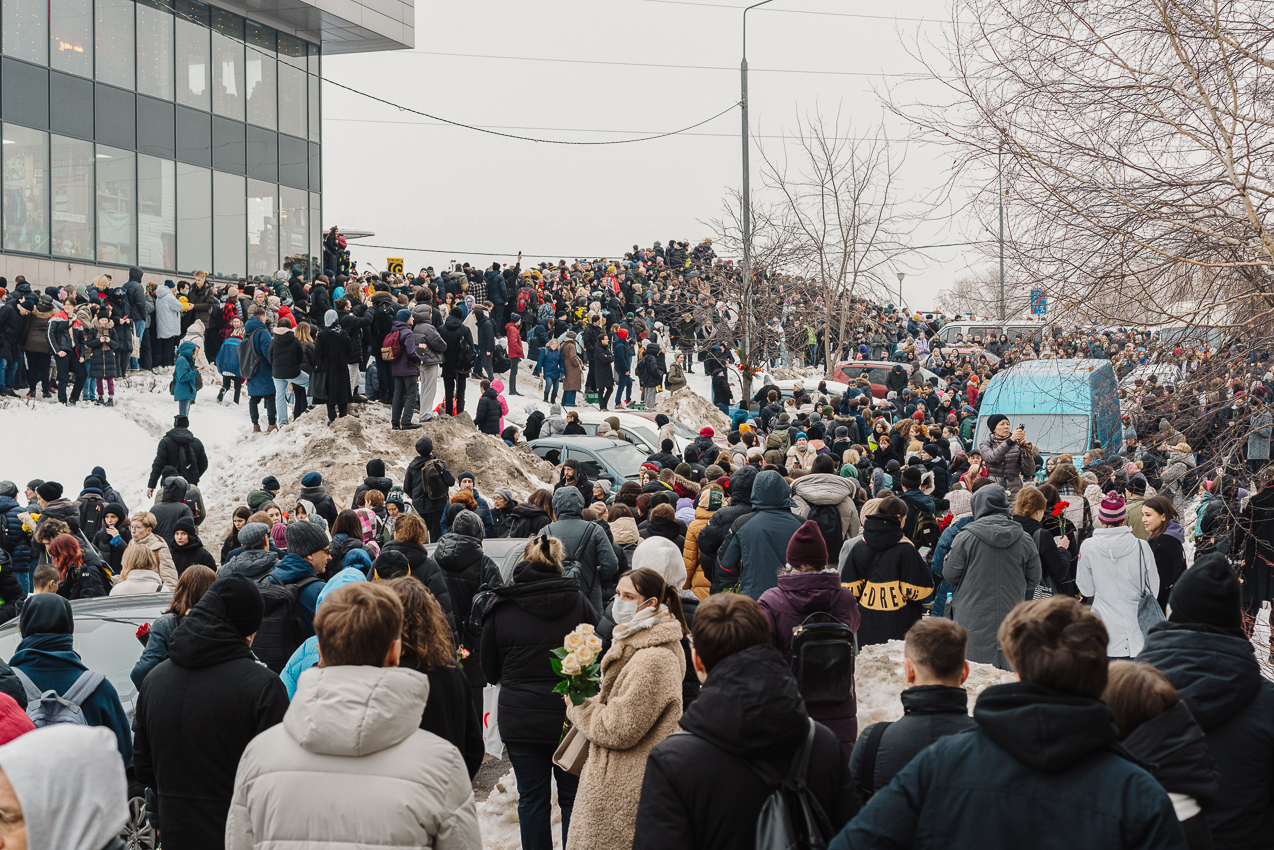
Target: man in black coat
1045	748
701	789
12	317
1203	651
181	450
198	710
313	491
487	416
415	485
934	705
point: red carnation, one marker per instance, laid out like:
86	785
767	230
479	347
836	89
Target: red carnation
1060	508
944	522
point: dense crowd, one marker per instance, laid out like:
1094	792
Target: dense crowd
319	675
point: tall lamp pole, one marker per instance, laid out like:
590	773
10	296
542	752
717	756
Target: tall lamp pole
747	180
901	275
1000	158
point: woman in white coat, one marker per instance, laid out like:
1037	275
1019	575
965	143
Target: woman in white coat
1115	569
139	573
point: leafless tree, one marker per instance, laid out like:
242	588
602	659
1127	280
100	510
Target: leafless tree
841	197
1136	137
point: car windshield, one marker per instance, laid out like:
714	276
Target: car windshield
1050	434
109	647
626	459
682	431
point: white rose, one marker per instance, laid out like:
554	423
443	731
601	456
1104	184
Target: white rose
574	641
594	643
570	665
584	629
585	656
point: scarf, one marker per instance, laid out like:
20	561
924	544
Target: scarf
644	619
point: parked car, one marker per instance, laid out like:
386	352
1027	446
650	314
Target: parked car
106	639
505	551
641	431
599	457
1165	373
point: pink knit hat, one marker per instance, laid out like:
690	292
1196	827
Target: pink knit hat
1113	510
278	536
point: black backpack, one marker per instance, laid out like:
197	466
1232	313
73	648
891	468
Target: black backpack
827	518
433	481
823	655
249	359
466	354
500	360
92	515
187	466
926	534
285	624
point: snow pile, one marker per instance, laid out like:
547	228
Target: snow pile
878	680
341	452
498	817
788	373
693	410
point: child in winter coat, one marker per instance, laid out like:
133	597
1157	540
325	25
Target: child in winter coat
513	338
498	386
103	363
228	363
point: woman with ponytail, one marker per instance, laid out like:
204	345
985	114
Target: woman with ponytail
529	618
639	705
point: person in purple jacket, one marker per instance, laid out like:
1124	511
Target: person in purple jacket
806	587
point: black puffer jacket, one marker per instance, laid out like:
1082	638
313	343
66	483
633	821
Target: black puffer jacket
1037	757
171	507
1219	679
487	417
466	569
1177	747
712	535
889	578
176	449
930	712
530	618
324	506
285	356
698	791
196	713
527	520
192	553
426	569
453	330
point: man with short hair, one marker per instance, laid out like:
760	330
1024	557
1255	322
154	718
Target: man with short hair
701	788
1045	748
349	765
198	710
934	704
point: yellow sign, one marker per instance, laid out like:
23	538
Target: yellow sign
394	265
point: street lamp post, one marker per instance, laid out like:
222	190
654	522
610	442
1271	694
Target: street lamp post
1000	169
901	275
747	182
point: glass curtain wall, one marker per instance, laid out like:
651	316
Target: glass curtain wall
73	199
116	206
26	207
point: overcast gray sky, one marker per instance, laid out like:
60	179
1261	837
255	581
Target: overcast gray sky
441	193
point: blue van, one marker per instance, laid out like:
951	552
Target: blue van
1065	406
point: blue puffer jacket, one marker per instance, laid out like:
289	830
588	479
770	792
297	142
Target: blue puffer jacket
228	357
262	383
306	655
291	569
186	375
18	539
550	363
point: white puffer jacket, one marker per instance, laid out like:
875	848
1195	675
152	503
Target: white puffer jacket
826	489
349	766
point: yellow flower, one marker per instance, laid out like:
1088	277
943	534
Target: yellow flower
594	643
571	665
574	641
585	656
584	629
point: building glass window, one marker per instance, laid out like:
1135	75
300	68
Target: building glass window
262	83
263	229
71	40
229	224
315	122
26	193
156	212
260	36
293	93
293	51
116	206
114	36
194	218
294	226
26	30
154	52
193	60
72	198
314	60
316	230
227	77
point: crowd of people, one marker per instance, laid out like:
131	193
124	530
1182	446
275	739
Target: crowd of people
319	674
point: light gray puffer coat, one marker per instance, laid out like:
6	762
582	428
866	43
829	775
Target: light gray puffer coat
349	766
825	489
994	565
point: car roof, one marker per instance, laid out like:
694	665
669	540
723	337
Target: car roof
584	442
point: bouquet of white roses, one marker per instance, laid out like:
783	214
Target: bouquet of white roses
579	664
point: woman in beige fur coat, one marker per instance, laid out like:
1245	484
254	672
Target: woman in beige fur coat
639	705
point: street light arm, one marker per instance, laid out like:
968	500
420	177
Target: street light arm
745	26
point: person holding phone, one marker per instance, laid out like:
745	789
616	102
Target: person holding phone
1009	457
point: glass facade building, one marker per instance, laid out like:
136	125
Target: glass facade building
167	134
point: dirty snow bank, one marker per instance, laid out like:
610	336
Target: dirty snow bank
692	410
498	816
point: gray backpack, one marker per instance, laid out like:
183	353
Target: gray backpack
49	709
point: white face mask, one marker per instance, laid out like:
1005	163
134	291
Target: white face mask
623	611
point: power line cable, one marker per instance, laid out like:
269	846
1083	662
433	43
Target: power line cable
912	74
796	11
564	254
479	129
